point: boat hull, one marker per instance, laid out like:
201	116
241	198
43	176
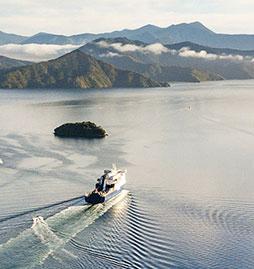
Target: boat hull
96	198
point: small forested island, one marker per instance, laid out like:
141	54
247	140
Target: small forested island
80	129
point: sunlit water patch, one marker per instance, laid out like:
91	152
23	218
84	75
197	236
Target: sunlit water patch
47	236
188	150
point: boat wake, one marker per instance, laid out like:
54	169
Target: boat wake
36	209
45	237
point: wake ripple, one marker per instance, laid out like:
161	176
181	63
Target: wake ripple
33	210
45	237
197	229
147	246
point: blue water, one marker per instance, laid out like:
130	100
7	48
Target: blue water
189	199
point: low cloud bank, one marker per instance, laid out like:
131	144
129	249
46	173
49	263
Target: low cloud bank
110	54
158	49
186	52
153	48
44	52
35	52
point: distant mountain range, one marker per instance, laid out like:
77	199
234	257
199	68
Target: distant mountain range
145	65
11	38
74	70
220	51
122	62
193	32
179	62
145	62
46	38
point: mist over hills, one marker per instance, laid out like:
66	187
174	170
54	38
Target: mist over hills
140	57
194	32
183	62
131	55
198	48
74	70
144	57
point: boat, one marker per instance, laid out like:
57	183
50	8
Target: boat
109	185
37	219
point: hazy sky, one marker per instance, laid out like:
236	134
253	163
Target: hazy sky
28	17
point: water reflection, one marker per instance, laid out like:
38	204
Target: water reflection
190	173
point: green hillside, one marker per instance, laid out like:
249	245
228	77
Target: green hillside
146	64
74	70
212	63
7	63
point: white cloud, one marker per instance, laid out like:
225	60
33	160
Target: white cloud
158	49
153	48
119	46
35	52
43	52
186	52
232	57
110	54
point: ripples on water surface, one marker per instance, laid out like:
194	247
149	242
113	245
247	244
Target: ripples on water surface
189	196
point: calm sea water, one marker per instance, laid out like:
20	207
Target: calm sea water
189	199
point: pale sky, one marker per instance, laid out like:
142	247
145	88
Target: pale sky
28	17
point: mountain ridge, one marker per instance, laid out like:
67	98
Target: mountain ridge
74	70
194	32
133	62
6	38
156	60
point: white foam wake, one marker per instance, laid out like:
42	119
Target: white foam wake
47	236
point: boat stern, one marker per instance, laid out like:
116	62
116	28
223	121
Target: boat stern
94	198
